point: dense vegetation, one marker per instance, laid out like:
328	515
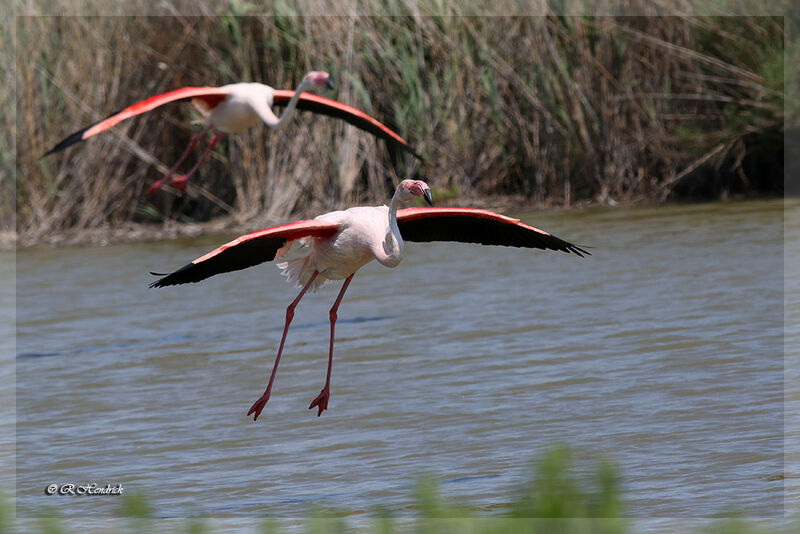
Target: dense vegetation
552	110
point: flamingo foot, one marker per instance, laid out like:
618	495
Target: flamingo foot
155	187
258	406
321	402
180	182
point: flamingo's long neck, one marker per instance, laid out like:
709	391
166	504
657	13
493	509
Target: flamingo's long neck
393	243
287	113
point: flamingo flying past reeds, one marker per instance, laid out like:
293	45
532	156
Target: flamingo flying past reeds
341	242
236	107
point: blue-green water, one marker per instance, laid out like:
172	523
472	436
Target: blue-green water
662	351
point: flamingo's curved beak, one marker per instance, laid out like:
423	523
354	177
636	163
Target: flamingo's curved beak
329	82
426	194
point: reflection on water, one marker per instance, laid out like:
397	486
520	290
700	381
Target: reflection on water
663	351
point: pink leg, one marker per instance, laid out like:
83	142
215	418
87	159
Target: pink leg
262	400
193	143
321	402
180	181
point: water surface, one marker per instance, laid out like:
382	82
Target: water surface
662	351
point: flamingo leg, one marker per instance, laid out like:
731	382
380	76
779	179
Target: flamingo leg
192	143
321	402
179	182
262	400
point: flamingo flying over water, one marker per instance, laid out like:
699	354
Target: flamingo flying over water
341	242
236	107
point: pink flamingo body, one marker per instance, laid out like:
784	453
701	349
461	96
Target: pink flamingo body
235	107
341	242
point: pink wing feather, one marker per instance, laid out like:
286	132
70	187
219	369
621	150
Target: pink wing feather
246	251
211	95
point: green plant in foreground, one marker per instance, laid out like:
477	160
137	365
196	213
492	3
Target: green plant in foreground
557	498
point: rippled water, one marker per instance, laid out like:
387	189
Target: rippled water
663	351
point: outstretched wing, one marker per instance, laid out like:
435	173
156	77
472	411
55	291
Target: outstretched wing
359	119
246	251
476	226
212	96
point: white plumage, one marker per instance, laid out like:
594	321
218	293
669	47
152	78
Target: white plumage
364	236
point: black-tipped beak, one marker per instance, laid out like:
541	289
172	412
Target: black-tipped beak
329	82
426	194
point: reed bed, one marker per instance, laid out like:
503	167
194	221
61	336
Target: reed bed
551	110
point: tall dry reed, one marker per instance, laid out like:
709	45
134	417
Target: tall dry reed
555	109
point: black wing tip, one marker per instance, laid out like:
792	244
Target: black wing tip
76	137
410	149
168	281
175	278
159	283
402	144
71	139
566	246
394	143
579	250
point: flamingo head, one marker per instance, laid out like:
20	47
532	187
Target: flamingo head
412	188
319	79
